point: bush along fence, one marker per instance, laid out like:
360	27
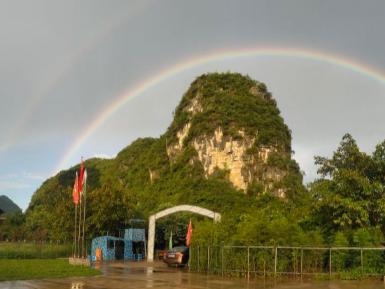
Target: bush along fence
272	261
34	250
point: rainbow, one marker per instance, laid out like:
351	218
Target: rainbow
217	55
57	77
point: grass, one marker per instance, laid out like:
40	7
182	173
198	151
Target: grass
21	250
12	269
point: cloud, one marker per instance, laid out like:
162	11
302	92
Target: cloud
34	176
103	156
15	185
23	175
3	147
20	181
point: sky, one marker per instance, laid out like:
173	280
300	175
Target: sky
65	67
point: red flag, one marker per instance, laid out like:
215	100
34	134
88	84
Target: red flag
75	192
80	184
189	233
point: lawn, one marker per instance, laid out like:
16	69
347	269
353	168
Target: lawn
12	269
28	250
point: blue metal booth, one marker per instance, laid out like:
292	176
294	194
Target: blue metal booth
131	247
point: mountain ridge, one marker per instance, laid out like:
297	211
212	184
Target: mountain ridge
7	205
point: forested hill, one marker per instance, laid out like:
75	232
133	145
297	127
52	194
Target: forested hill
7	205
227	145
229	150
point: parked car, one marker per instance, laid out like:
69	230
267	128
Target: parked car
177	256
161	254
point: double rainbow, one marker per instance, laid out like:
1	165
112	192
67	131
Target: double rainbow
218	55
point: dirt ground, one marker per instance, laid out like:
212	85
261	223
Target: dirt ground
137	275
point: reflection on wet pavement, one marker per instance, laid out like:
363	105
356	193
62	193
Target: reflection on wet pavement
77	285
157	275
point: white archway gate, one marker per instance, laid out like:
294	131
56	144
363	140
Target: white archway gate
182	208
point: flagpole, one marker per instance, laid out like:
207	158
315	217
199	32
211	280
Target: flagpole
84	220
74	245
80	188
75	196
80	224
84	212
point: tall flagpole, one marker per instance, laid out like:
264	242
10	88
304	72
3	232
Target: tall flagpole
80	190
84	210
80	224
84	220
75	197
74	245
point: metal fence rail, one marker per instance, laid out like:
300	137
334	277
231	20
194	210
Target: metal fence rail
250	261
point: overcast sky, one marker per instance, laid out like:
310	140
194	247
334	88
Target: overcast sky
63	62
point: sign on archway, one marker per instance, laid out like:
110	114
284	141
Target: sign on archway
182	208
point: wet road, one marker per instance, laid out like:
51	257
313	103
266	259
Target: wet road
141	275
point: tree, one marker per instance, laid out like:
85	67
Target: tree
350	194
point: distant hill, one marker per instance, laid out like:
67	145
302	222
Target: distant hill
7	205
227	145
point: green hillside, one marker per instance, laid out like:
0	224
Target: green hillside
228	149
7	205
149	174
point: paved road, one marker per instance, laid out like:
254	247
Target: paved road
142	275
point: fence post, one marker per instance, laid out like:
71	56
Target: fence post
275	261
362	262
301	262
330	263
264	268
248	263
208	259
198	253
222	264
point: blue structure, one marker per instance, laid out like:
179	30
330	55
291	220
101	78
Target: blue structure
114	248
134	235
108	245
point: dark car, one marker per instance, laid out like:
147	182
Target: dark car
177	256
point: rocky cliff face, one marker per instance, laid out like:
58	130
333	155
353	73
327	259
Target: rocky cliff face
233	144
225	153
219	152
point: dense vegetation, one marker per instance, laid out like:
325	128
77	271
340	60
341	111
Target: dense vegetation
344	207
233	102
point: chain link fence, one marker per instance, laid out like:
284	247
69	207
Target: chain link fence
252	261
